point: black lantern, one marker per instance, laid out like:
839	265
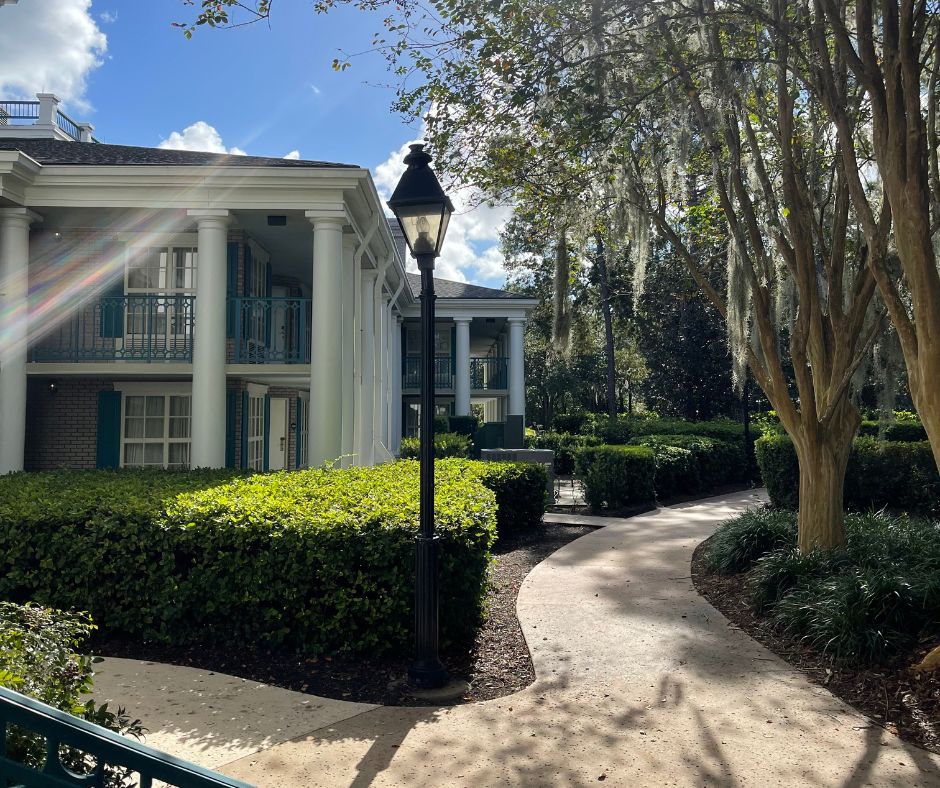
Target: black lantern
423	212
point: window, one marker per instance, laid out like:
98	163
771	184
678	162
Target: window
303	420
156	431
441	341
155	277
162	270
256	433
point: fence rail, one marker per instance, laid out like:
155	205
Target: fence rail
18	110
124	328
106	748
271	330
489	373
443	372
485	373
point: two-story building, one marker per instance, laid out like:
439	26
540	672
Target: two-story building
186	309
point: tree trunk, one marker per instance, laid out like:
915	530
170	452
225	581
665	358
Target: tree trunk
608	328
561	309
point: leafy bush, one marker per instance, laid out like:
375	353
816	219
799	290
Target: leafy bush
318	560
615	432
441	423
38	658
676	471
569	422
906	431
565	446
865	602
519	487
463	425
446	444
892	474
739	542
616	476
718	461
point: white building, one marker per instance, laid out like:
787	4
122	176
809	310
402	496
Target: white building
186	309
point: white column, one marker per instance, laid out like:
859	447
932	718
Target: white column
14	334
208	405
367	345
516	366
349	349
380	359
462	382
389	372
395	443
325	433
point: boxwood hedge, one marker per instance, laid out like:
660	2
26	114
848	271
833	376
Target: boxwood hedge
616	476
717	462
899	475
319	560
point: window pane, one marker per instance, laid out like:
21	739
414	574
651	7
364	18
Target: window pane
179	427
133	428
155	406
134	406
153	453
154	428
179	406
133	453
178	455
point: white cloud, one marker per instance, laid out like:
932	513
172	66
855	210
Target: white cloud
108	17
294	154
199	136
50	46
316	90
471	248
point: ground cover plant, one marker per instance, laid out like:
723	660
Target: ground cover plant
39	658
870	600
318	560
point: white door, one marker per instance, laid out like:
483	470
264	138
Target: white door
277	445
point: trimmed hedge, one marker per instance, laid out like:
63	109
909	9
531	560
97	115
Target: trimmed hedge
893	474
519	488
446	444
718	462
570	422
565	446
318	560
616	476
676	471
904	431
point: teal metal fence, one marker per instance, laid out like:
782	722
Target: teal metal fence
105	748
489	373
271	330
129	328
443	372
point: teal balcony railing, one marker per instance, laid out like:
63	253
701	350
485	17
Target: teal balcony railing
443	372
270	330
489	373
123	328
104	748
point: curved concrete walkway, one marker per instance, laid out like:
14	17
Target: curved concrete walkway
640	682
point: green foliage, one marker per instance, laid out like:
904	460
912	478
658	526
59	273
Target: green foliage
446	444
463	425
565	446
318	560
615	432
893	474
908	431
519	487
569	422
718	462
38	658
616	476
676	470
441	424
739	542
864	602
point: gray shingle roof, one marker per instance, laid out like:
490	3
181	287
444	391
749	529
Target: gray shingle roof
47	151
445	288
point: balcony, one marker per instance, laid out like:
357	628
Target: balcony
486	373
21	113
160	328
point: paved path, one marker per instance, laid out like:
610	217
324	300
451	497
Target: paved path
640	683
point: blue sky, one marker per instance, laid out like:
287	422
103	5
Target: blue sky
266	89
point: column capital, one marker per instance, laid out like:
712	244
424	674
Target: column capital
463	320
517	320
209	215
330	218
18	215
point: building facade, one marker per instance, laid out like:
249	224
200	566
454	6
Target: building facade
183	309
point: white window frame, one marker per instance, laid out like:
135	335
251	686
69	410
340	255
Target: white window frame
165	390
254	452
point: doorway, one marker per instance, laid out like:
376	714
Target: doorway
277	443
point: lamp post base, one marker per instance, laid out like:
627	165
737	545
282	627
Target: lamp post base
427	674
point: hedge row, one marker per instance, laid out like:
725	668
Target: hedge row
893	474
616	476
715	462
446	444
565	445
319	560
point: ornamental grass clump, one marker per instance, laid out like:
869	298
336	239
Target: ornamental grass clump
739	542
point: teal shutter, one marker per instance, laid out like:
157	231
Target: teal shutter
108	454
453	355
298	460
230	282
267	431
244	458
230	428
268	289
111	305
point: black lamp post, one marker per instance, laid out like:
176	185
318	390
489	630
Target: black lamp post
423	211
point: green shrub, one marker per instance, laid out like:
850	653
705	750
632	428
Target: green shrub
519	487
565	446
906	431
446	444
616	476
739	542
569	422
441	423
718	461
38	658
676	471
463	425
778	572
318	560
897	475
614	432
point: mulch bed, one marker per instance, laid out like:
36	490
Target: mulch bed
889	694
497	664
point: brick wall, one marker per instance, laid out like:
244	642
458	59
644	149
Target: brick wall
62	427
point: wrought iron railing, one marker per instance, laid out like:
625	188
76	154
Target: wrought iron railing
489	373
443	372
105	748
16	111
271	330
123	328
68	125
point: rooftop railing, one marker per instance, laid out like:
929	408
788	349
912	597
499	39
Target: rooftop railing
26	113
